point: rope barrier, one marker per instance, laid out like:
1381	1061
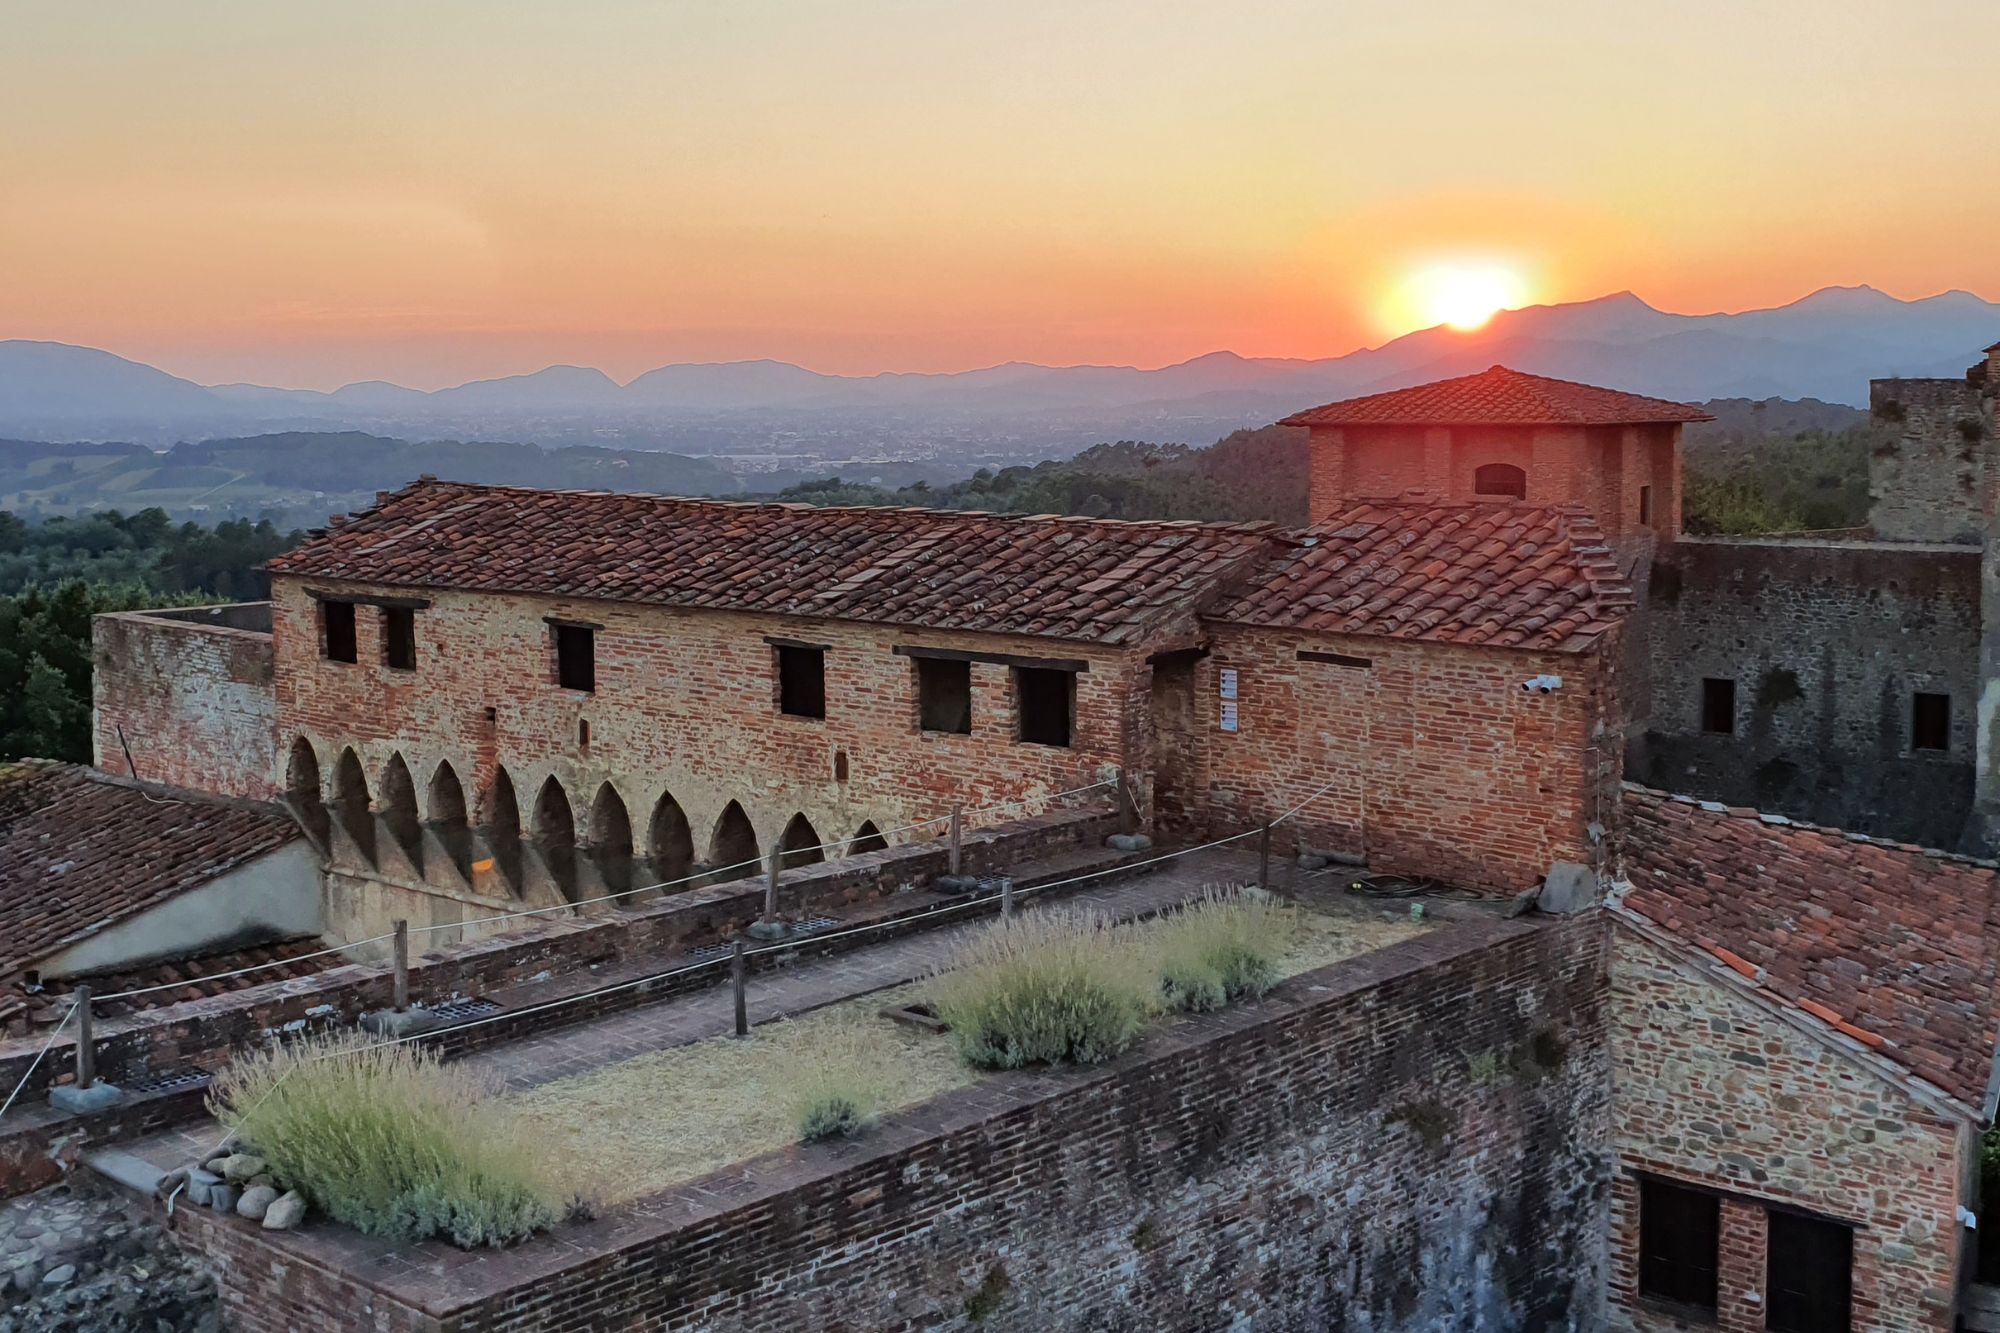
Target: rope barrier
35	1063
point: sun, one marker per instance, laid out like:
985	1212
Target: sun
1463	296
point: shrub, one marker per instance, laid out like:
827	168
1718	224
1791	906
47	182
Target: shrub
1224	947
1046	987
830	1091
390	1141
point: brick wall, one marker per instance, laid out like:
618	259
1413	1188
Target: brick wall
1712	1089
1927	469
1440	763
1283	1165
192	691
1827	643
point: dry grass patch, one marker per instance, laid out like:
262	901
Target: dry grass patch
659	1120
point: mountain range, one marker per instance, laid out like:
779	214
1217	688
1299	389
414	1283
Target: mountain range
1826	345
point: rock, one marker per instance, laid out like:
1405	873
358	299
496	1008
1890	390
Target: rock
242	1167
57	1277
1523	902
285	1212
200	1183
1128	842
256	1201
264	1179
26	1272
1311	861
1570	887
170	1181
222	1198
216	1165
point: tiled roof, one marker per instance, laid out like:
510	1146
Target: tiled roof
1499	573
79	852
1067	578
1499	397
1894	946
196	976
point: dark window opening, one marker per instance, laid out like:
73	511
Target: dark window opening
1500	479
801	681
583	733
944	695
1679	1232
576	657
399	638
337	631
1046	701
1809	1274
840	765
1930	722
1718	706
1646	505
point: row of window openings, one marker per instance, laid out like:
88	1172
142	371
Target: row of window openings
1808	1265
1045	698
1930	714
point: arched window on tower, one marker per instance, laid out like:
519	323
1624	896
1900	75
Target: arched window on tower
1500	479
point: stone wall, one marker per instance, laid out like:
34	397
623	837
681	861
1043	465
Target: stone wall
1826	642
1713	1090
1425	758
191	691
1927	469
1411	1140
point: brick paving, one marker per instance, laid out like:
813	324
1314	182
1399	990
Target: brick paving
691	1017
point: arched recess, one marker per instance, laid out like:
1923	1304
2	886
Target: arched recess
611	841
867	838
350	803
500	826
445	816
555	835
302	791
670	841
799	844
1500	479
733	844
399	811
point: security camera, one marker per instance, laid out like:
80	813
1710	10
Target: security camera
1542	684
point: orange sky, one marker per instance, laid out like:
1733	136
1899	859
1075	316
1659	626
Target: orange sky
311	193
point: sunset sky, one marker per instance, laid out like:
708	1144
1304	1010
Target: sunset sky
309	192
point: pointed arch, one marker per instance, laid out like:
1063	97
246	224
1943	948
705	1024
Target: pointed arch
555	836
500	826
670	841
733	843
302	792
799	844
867	838
444	810
611	840
399	810
350	802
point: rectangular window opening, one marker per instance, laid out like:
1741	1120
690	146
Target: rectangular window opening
1046	703
399	638
1930	721
1679	1239
576	657
944	695
1646	506
337	631
1809	1274
801	681
1718	706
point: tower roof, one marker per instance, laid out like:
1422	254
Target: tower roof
1499	397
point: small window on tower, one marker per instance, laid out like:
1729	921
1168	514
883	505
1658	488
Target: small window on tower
1500	479
576	657
1046	701
801	681
1930	721
336	620
1718	706
1646	506
399	638
944	695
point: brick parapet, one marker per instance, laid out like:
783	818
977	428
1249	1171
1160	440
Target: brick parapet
191	701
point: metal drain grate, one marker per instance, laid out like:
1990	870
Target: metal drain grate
472	1008
172	1081
814	926
708	953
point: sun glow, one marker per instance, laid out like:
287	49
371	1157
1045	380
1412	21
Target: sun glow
1464	296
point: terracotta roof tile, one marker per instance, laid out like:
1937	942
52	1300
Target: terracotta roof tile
1095	580
1499	397
197	975
79	852
1899	945
1498	573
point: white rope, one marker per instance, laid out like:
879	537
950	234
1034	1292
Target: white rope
241	971
36	1062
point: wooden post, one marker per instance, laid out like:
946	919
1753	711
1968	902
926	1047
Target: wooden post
402	952
957	837
1264	859
771	886
86	1047
1128	809
1006	896
737	983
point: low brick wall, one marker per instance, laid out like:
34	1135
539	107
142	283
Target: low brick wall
1415	1139
572	954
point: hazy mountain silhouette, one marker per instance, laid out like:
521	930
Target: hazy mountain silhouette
1827	346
